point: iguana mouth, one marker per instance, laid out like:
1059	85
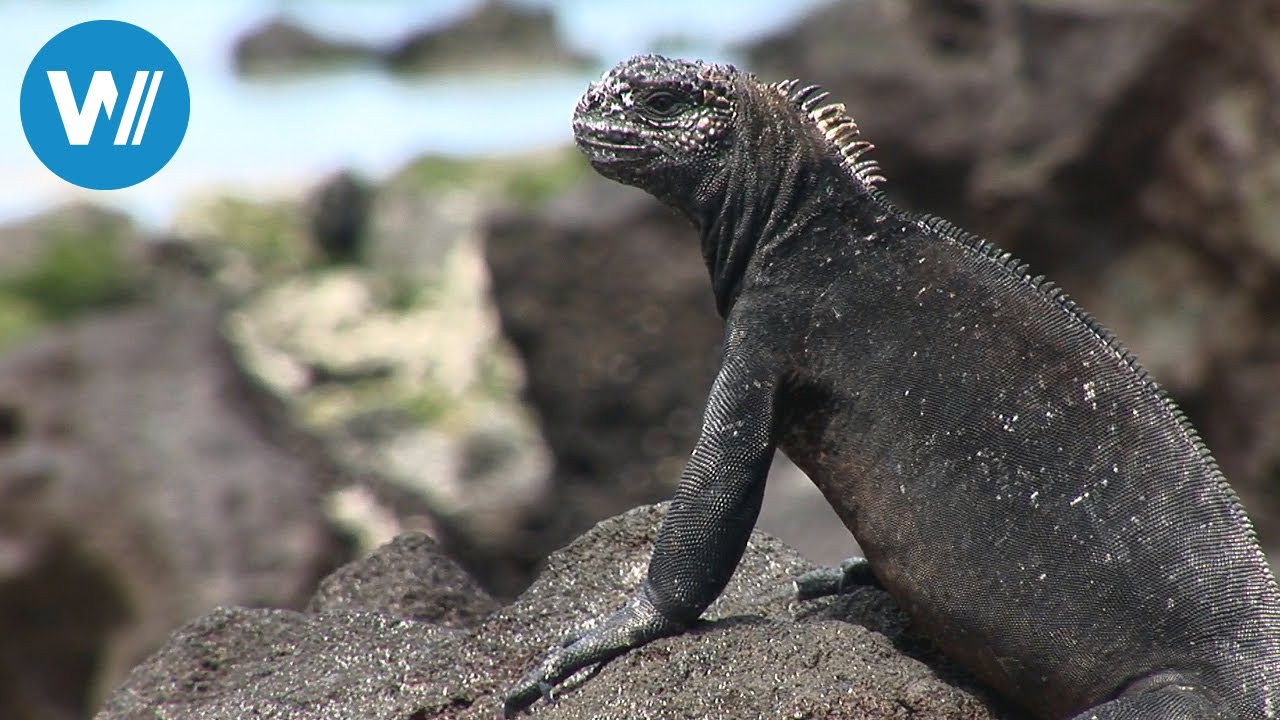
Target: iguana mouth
607	144
593	137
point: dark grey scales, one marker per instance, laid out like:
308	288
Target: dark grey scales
1020	486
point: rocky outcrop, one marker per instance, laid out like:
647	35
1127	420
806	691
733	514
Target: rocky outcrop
281	45
513	36
264	406
409	577
140	483
762	655
419	401
395	361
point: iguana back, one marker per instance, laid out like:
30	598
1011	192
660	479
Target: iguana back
1018	483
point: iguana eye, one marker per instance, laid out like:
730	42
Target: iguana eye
662	104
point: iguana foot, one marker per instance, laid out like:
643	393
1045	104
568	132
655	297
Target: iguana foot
636	623
852	573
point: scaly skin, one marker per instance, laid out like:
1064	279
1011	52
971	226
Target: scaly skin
1021	487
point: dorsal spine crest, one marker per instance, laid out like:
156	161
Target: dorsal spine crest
836	126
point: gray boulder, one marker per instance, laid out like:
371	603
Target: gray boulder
762	654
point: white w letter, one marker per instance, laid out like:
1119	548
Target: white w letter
79	122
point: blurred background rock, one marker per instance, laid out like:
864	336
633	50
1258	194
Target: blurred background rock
377	291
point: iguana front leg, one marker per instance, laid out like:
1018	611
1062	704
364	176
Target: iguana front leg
702	536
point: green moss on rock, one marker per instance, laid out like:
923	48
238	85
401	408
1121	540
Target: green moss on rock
272	236
78	270
523	179
19	319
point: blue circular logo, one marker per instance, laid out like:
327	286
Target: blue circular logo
105	105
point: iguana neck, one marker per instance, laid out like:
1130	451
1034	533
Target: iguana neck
773	187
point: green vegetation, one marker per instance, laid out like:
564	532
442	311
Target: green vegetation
403	291
271	235
18	320
496	379
428	406
74	274
433	172
537	182
527	179
80	268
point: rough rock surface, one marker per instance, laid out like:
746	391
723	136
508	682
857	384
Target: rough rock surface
763	654
408	577
140	484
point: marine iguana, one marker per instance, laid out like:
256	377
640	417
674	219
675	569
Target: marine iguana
1020	486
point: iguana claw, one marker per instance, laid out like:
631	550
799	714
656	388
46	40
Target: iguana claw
525	694
852	573
634	624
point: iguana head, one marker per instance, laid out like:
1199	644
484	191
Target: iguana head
661	123
739	157
652	122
